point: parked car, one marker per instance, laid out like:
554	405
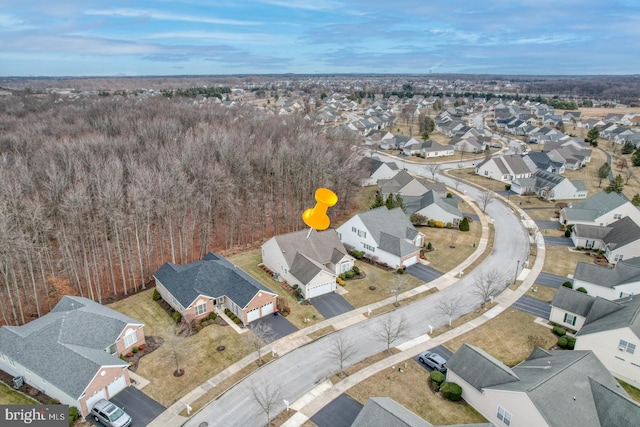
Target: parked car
110	414
496	145
433	360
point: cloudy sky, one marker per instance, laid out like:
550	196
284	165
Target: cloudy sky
170	37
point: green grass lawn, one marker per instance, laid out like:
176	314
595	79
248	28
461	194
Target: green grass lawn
12	397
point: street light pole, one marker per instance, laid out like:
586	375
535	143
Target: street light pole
517	267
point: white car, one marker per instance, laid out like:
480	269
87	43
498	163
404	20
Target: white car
109	414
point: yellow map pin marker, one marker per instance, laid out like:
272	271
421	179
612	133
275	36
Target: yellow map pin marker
317	217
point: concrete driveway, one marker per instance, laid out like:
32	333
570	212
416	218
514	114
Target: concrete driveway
423	272
138	405
558	241
533	306
551	280
440	350
340	412
331	305
280	326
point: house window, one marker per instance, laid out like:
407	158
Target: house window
360	233
201	309
369	248
504	416
627	346
130	338
617	257
486	173
617	216
569	319
344	267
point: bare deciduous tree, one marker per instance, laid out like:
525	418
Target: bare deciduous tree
342	349
486	198
488	284
450	306
261	334
391	329
267	396
433	169
396	286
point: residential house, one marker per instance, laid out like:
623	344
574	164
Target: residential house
539	391
470	144
428	149
569	308
397	143
569	152
539	160
432	206
378	170
600	209
504	168
404	184
612	331
212	284
571	116
609	283
619	240
72	353
550	186
310	259
384	235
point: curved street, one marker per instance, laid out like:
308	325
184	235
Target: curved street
297	372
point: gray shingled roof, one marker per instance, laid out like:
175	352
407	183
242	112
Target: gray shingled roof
625	271
479	368
306	256
415	203
623	232
594	207
516	164
572	301
609	315
390	228
613	409
554	381
67	346
213	276
384	411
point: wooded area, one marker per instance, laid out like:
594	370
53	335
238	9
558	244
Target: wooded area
97	193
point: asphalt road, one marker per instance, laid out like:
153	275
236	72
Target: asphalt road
533	306
300	370
558	241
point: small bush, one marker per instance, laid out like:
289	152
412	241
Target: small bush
349	274
74	414
562	342
429	246
431	223
135	349
451	391
439	224
449	196
295	286
449	225
567	233
177	317
356	270
559	331
341	282
568	284
212	316
287	309
437	377
400	271
236	321
358	254
122	356
156	295
571	343
581	289
54	402
464	224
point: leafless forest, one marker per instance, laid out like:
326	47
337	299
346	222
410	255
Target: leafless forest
96	194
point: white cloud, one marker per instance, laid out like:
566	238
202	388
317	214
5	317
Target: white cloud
162	16
11	23
253	38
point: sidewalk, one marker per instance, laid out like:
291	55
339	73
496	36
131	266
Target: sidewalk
324	393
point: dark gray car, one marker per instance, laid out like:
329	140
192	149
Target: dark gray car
109	414
433	360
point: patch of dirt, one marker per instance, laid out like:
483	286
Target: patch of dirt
152	343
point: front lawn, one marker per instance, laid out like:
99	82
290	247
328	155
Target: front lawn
410	388
559	260
196	354
12	397
444	257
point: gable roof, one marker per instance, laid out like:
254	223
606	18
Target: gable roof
594	207
553	381
625	271
415	203
213	276
572	301
479	368
384	411
67	347
609	315
390	229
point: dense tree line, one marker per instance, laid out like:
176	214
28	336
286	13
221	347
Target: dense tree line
96	194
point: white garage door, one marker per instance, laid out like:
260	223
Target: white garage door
117	386
102	394
325	288
267	309
410	261
253	314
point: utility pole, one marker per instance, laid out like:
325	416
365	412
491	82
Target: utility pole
516	277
